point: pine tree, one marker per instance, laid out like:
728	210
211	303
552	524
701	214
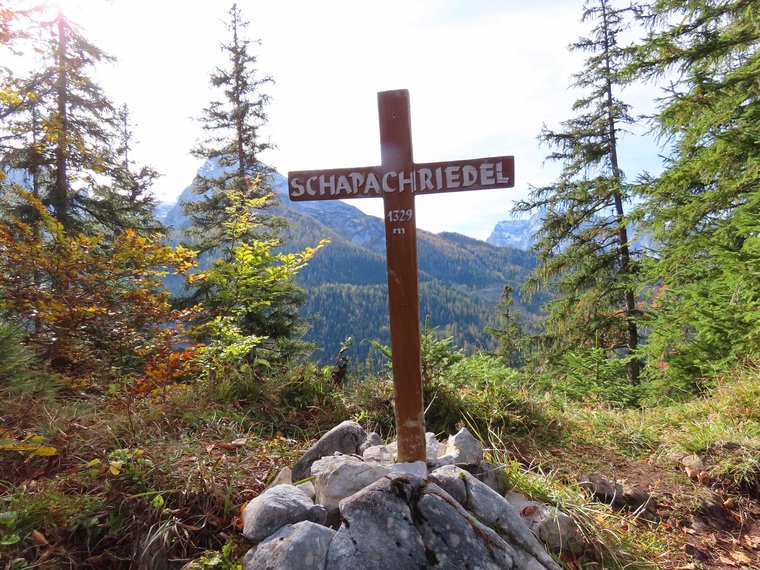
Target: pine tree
583	245
704	209
234	143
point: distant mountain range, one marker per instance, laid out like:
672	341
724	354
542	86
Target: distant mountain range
515	233
461	278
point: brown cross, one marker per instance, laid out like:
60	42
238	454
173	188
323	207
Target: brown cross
397	180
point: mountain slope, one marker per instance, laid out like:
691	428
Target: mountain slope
461	278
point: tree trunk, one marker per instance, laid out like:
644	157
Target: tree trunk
624	254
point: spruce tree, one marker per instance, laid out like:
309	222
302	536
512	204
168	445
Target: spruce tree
704	209
236	188
234	142
583	244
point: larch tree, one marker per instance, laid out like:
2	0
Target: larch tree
704	209
583	244
60	134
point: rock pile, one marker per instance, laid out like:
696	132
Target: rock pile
360	509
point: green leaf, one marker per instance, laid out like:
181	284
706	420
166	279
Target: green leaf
10	539
7	518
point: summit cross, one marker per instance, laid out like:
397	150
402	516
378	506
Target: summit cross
398	180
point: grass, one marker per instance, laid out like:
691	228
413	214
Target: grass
154	482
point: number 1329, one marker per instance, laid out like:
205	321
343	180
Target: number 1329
399	215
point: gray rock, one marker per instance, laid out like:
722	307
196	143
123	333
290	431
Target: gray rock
284	477
491	475
495	511
462	449
432	448
454	539
308	488
301	545
417	468
378	532
601	489
380	454
451	479
341	477
373	438
276	507
346	437
554	528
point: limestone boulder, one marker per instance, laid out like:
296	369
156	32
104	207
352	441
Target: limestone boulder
381	454
342	476
378	531
277	507
454	539
554	528
301	545
493	510
373	439
346	437
462	449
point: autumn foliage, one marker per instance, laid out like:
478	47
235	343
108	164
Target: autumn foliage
90	305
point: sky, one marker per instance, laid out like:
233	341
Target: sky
483	77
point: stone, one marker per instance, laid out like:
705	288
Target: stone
432	448
491	475
494	511
462	449
450	479
373	439
454	539
417	468
341	477
284	477
380	454
301	545
346	437
276	507
377	532
308	488
555	529
601	489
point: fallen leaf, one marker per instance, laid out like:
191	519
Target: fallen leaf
239	442
740	557
729	503
39	539
529	510
726	560
99	560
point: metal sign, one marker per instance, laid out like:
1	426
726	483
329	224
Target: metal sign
398	180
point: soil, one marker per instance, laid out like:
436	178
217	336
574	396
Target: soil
706	524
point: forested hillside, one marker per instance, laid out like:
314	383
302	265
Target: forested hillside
461	278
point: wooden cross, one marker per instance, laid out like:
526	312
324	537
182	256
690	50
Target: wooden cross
397	180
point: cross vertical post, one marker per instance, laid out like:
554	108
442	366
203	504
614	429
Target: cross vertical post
397	180
403	288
